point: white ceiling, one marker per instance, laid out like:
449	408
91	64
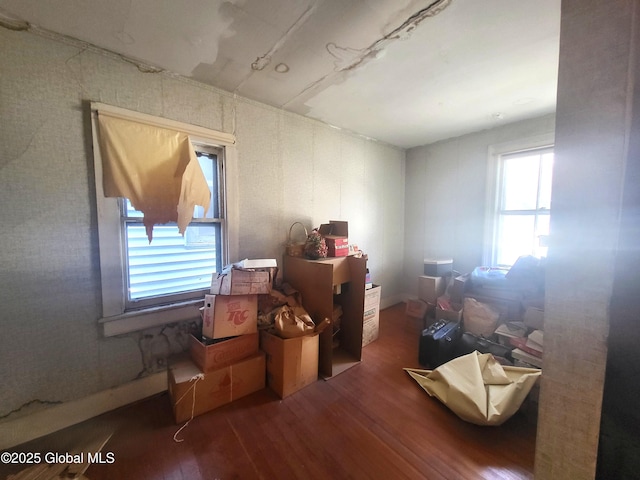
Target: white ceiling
407	72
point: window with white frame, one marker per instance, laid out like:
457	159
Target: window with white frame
519	220
172	266
147	281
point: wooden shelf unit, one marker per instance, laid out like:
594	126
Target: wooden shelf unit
317	280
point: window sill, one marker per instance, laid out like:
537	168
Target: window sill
135	321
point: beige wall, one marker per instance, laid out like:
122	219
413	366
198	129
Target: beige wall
290	169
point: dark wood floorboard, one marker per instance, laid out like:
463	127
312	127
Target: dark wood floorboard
371	422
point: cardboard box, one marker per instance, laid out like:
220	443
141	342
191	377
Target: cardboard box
292	363
438	267
337	247
336	236
237	281
372	296
223	352
371	315
417	308
370	325
194	392
458	288
430	288
229	315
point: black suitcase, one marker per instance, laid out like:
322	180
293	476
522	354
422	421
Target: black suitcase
438	343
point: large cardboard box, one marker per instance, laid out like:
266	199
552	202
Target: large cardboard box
236	281
229	315
223	352
371	315
370	325
292	363
430	288
194	392
372	296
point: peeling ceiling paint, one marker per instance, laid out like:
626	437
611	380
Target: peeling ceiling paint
407	72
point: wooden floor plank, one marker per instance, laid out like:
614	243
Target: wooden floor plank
371	421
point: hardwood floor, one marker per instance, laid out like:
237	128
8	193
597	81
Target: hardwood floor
372	421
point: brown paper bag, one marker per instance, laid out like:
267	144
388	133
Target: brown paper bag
293	322
480	319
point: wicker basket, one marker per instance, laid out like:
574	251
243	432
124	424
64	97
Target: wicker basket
296	249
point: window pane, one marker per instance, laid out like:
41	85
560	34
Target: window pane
209	165
515	238
520	182
171	263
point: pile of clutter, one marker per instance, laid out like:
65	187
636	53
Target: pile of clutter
491	310
254	333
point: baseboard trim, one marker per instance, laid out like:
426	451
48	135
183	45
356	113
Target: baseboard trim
44	422
387	302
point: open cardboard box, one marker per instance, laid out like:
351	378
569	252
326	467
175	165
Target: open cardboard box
223	352
292	363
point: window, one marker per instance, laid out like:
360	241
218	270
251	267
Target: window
175	267
150	283
521	205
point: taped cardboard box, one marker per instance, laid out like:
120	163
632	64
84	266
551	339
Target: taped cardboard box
292	363
193	392
229	315
236	281
223	352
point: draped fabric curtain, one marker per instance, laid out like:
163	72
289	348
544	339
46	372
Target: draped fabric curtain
155	168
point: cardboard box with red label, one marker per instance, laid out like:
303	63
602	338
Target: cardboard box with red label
229	315
222	352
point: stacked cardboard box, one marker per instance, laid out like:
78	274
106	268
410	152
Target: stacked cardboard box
225	362
371	320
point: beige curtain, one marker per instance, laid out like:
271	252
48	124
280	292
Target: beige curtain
155	168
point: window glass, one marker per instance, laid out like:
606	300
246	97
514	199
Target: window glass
524	199
173	265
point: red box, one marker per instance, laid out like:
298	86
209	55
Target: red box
337	246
